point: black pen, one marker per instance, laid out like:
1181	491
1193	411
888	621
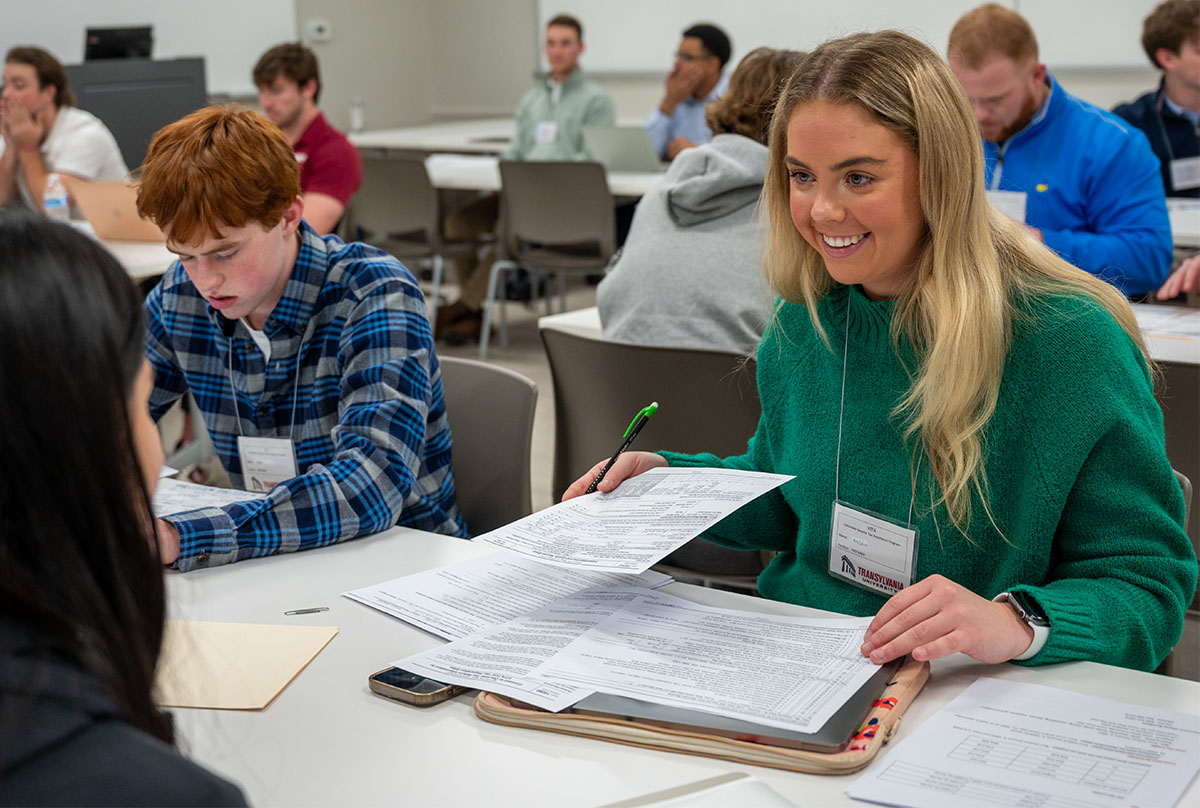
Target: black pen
635	426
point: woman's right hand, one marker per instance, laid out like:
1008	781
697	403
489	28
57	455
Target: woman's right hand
629	464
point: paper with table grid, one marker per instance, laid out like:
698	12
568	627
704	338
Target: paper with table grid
1010	743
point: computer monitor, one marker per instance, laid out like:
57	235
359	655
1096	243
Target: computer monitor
118	43
137	97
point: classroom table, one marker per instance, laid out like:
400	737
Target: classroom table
1185	221
482	173
480	136
141	259
490	136
327	740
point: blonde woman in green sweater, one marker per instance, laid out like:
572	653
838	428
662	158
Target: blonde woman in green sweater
978	455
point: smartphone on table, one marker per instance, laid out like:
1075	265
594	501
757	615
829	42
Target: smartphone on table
411	688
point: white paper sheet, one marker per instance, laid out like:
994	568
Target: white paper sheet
177	496
1006	743
781	671
499	659
1168	321
643	520
460	599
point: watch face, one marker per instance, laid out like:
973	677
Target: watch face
1029	609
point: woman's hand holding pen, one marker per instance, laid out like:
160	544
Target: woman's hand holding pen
629	464
936	617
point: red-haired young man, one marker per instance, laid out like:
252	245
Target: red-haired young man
311	360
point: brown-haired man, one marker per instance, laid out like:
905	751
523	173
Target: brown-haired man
1082	180
289	86
41	132
311	360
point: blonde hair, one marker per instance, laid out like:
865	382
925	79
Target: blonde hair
975	266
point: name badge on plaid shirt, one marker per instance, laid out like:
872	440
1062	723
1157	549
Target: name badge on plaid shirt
266	462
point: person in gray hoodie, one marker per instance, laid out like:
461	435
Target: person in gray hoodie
690	275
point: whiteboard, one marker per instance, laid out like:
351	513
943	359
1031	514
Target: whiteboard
640	36
229	34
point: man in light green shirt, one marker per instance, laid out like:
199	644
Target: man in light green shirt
549	126
551	116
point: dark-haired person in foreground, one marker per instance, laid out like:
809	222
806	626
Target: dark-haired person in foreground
695	80
81	587
311	360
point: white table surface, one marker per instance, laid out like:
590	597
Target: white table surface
481	136
490	136
1185	221
482	173
327	740
141	259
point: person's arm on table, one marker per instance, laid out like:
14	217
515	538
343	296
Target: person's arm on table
385	355
1186	278
1128	237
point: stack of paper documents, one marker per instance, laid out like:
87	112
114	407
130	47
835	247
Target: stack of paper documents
570	610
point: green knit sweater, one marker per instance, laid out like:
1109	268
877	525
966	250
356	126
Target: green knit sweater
1078	478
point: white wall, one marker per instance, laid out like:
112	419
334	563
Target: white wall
380	50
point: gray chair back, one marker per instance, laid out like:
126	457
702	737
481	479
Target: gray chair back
397	202
491	422
558	203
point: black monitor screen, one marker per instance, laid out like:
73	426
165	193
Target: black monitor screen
118	43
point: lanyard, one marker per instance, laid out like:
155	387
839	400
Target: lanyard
837	469
295	386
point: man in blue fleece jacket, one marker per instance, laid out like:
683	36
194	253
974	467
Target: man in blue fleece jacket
1088	181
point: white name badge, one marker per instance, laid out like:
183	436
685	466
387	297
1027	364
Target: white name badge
1010	203
266	462
870	551
546	132
1185	173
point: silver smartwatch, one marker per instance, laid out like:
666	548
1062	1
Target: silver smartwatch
1029	612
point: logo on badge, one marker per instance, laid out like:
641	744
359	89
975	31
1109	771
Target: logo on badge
848	567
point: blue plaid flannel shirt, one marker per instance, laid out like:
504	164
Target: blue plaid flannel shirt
371	435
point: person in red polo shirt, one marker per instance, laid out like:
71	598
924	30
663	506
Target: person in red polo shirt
289	84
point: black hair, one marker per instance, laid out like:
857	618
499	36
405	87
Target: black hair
715	40
78	562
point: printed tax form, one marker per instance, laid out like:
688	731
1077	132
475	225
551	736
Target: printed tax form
643	520
1006	743
478	593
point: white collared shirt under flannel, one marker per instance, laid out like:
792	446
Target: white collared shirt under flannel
371	435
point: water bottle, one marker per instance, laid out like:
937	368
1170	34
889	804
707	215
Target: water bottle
55	199
358	114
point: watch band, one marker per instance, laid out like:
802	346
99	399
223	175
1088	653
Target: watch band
1035	620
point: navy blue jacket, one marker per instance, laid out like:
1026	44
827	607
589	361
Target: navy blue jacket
1162	126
